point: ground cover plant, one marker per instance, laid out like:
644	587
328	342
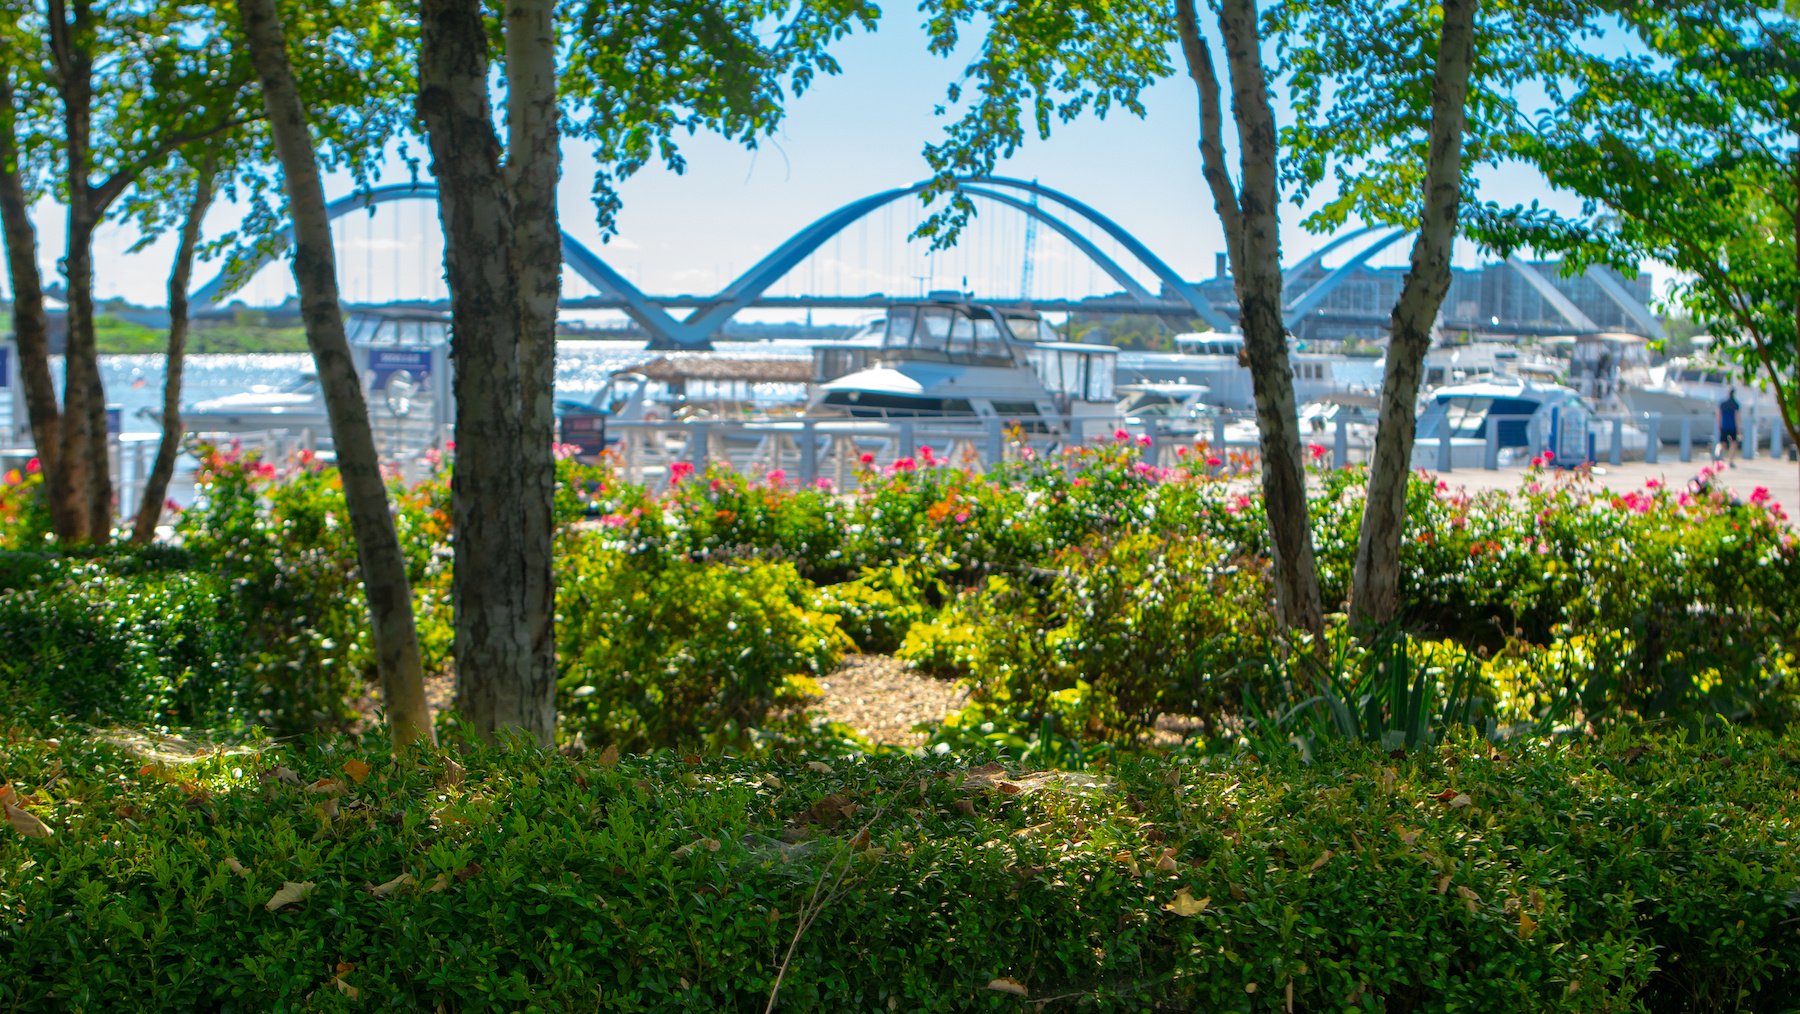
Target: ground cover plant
1647	871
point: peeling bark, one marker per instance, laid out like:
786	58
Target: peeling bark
315	276
156	488
499	685
1376	590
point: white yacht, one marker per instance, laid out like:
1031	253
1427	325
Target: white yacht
949	358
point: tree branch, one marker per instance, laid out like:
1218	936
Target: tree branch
114	185
1212	146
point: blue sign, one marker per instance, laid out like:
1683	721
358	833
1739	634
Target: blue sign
5	367
384	363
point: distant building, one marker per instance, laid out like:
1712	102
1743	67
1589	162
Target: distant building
1494	299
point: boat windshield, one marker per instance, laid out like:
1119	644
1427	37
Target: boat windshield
1469	416
943	332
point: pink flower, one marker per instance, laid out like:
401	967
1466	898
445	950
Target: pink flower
1181	452
716	485
1213	462
1759	495
33	466
432	456
1653	484
1144	440
171	505
265	469
867	458
926	455
1121	435
822	483
962	516
13	478
906	464
1317	451
679	470
615	520
777	476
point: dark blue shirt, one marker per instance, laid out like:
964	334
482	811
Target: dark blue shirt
1728	410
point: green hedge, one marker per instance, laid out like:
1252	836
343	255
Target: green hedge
1651	874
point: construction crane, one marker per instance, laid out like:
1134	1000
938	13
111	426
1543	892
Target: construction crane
1030	248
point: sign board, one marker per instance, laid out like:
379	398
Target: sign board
586	431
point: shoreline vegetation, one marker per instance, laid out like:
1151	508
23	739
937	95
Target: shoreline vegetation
1562	781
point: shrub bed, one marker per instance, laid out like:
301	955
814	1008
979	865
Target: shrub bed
1650	873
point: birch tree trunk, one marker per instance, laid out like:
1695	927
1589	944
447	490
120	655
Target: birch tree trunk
1250	217
315	276
1375	595
31	325
499	685
533	163
156	487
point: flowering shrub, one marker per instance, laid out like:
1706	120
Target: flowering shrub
666	653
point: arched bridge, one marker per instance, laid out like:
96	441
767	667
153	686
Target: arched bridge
1046	206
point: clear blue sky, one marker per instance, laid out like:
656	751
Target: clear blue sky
849	136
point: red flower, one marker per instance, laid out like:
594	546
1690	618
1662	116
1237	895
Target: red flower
32	467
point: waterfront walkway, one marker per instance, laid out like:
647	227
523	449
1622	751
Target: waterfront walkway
1780	476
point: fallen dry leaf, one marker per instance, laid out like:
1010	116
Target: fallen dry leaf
1166	862
345	988
820	766
1527	925
1462	799
610	755
442	881
1124	858
1324	857
1013	986
1407	837
236	867
282	773
454	773
1445	796
26	823
1443	883
1184	904
327	787
1470	898
357	770
383	890
289	894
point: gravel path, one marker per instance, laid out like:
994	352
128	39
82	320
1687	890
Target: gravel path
883	698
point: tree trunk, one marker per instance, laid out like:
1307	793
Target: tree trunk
1375	595
499	685
31	325
533	162
81	487
1256	269
315	276
150	508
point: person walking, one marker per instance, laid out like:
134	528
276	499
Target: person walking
1729	442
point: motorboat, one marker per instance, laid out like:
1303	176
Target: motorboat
950	359
1318	421
296	405
1217	361
1510	419
1169	407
